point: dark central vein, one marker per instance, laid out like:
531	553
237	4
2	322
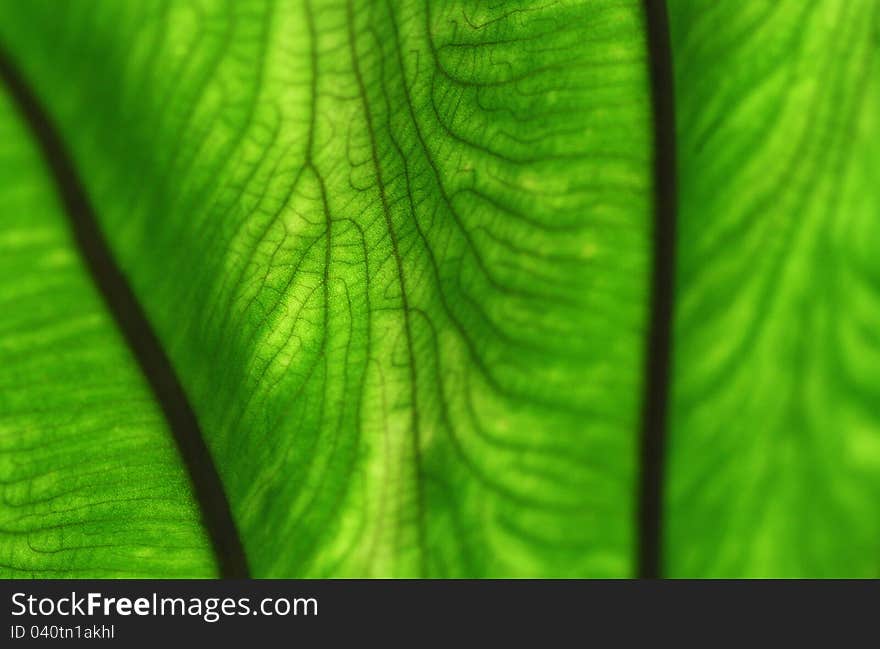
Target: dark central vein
659	343
135	328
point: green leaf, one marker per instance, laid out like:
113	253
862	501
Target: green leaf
402	257
397	254
774	466
90	479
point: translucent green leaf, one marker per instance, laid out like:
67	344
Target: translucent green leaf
402	257
90	480
397	253
774	467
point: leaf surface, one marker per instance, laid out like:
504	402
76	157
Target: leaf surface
397	253
774	465
400	257
90	480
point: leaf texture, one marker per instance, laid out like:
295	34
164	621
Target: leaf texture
398	254
90	481
774	467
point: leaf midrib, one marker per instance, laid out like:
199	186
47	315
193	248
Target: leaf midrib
659	340
133	324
